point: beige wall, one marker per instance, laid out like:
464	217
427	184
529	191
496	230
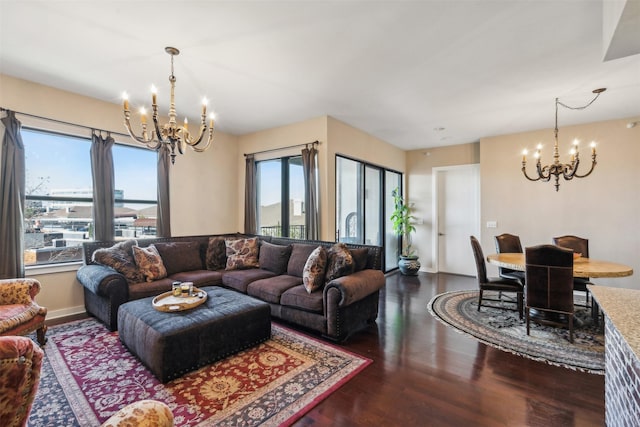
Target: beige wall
604	207
420	190
203	185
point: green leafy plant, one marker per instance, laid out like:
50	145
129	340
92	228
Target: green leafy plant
403	222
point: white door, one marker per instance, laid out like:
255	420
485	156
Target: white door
457	206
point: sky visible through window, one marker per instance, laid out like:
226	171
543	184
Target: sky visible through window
55	162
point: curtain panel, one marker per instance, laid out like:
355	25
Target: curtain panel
102	174
12	199
250	196
163	221
309	169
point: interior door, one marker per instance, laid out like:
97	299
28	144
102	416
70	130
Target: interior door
458	217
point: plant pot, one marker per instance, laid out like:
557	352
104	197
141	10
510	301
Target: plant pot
409	265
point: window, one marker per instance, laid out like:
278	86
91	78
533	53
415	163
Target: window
364	204
281	196
59	192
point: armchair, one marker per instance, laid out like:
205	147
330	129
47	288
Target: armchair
19	313
20	364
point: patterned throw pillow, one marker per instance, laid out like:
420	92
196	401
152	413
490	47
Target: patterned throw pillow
339	262
120	258
242	253
216	258
313	272
149	262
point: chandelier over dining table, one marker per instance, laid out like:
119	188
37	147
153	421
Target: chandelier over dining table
557	169
169	135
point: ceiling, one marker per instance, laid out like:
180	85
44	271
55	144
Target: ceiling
417	74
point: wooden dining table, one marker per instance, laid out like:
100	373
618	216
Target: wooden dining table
582	267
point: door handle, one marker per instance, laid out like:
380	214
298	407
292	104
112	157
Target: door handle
441	234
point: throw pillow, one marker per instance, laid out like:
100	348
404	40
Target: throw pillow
360	258
299	254
339	262
149	262
120	258
242	253
216	258
180	256
274	258
314	268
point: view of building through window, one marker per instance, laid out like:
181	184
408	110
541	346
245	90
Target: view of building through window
278	180
58	213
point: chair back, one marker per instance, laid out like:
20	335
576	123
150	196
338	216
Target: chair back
507	243
480	263
549	277
20	364
578	244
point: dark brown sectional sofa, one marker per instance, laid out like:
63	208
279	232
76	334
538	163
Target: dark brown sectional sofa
339	308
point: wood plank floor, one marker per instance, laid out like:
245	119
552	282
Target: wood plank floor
426	374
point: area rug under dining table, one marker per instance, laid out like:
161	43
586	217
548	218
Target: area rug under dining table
88	375
503	329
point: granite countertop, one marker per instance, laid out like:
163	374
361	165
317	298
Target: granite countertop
622	307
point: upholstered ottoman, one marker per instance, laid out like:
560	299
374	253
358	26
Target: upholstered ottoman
174	343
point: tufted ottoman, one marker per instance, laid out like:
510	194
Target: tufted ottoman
172	344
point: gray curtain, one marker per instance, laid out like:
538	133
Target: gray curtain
309	167
250	196
163	221
12	199
103	186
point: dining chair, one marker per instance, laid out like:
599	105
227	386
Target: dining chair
509	243
549	276
581	246
498	284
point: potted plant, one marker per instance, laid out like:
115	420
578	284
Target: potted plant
403	226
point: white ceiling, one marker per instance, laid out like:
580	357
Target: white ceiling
395	69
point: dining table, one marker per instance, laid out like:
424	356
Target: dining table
582	267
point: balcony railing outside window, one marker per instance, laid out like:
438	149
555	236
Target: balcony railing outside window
295	231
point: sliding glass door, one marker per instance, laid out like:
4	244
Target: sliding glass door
364	204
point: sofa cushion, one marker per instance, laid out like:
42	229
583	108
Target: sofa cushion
298	297
271	289
216	257
313	272
240	279
199	277
149	262
120	258
360	258
274	258
299	254
339	262
180	256
242	253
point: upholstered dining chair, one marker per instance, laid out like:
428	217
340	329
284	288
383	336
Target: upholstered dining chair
509	243
549	276
20	364
581	246
500	285
19	312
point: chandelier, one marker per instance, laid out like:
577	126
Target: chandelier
169	135
567	170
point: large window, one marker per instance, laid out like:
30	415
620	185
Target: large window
364	204
59	190
281	197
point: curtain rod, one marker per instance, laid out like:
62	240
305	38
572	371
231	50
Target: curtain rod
65	123
282	148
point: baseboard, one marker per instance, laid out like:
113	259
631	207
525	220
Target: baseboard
66	312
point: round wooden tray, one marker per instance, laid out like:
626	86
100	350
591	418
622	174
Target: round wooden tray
168	303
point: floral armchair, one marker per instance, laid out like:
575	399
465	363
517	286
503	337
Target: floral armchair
19	313
20	364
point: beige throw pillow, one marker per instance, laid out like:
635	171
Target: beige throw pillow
313	271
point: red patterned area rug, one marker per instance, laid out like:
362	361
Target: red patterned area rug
88	375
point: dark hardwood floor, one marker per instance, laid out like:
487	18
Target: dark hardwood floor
424	373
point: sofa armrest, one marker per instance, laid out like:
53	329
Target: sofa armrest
103	280
356	286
